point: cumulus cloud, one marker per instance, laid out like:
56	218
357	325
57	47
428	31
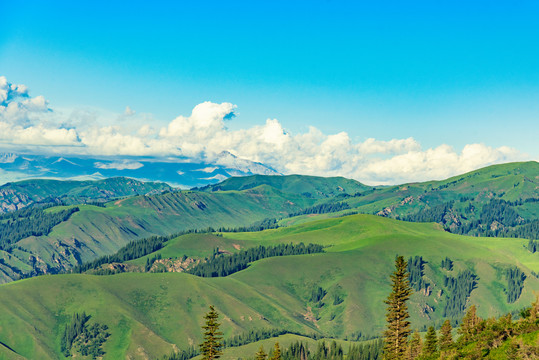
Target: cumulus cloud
119	165
394	146
9	91
208	169
203	135
128	111
438	163
37	135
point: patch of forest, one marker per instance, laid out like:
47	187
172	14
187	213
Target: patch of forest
133	250
515	283
273	223
459	290
81	337
219	265
497	218
34	221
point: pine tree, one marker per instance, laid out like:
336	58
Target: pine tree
468	327
534	310
415	347
261	355
276	352
431	342
446	339
398	328
211	347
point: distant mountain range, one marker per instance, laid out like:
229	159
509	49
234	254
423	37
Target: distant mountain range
18	195
176	171
500	200
336	294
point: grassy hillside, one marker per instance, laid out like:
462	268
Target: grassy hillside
499	200
311	186
510	182
94	231
148	313
20	194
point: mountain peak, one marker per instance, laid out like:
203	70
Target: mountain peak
236	165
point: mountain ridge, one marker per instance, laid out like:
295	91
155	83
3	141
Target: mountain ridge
154	311
179	172
95	231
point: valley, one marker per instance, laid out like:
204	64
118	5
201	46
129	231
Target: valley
152	306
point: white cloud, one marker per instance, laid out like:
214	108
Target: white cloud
119	165
37	135
27	122
394	146
208	169
10	91
205	121
128	111
218	177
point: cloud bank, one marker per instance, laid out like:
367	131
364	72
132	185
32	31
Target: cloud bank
28	123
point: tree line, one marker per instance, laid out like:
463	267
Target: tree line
515	283
459	290
86	339
496	210
224	265
30	222
133	250
477	338
325	208
273	223
415	273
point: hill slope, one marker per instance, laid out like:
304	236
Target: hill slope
17	195
94	231
147	313
310	186
500	200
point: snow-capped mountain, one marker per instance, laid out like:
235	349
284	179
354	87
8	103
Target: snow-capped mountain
181	172
238	166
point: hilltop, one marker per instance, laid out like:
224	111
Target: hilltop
18	195
499	200
338	293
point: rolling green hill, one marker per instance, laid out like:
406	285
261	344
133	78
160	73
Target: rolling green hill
500	200
18	195
94	231
458	201
308	186
147	313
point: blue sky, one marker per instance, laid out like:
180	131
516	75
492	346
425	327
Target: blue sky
442	73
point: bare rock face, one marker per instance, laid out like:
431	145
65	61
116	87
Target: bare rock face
174	265
11	200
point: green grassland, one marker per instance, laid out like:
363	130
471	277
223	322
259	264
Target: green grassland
148	314
95	231
23	193
510	182
248	351
309	186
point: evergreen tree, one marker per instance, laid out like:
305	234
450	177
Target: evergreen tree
211	347
534	311
261	355
276	352
468	327
446	339
415	347
398	327
431	342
